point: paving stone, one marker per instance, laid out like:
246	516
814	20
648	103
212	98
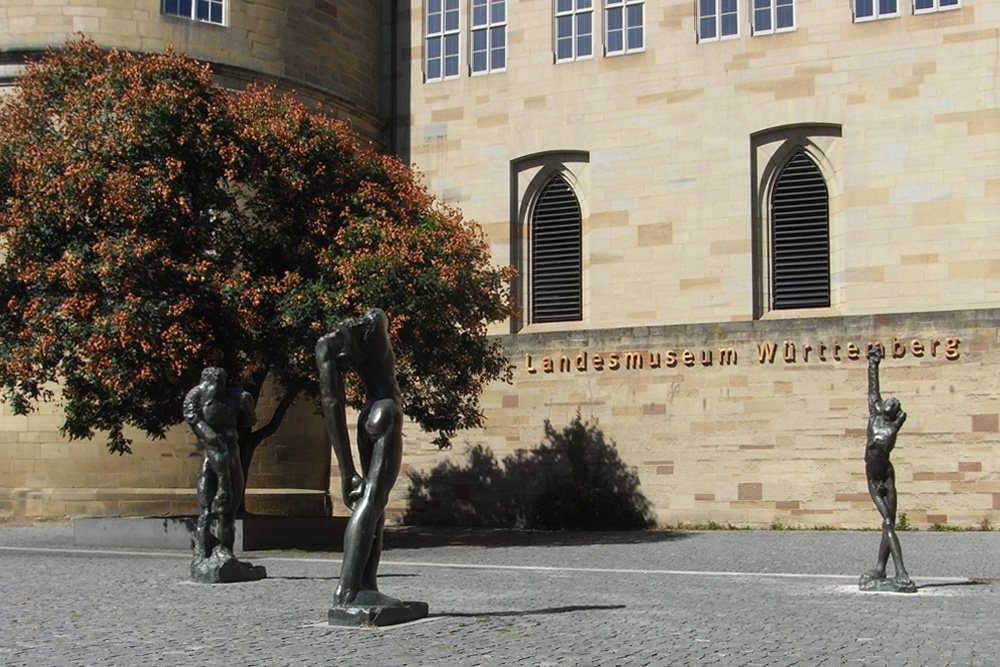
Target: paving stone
744	598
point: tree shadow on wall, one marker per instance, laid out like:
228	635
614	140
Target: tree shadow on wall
574	480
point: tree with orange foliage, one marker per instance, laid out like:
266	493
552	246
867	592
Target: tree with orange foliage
153	224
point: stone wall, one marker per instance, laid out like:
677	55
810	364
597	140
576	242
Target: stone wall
678	138
328	53
43	474
718	435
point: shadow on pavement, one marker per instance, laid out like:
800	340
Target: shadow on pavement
971	582
418	537
534	612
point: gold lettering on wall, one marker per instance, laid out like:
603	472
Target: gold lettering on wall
765	352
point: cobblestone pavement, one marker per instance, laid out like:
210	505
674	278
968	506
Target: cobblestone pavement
514	598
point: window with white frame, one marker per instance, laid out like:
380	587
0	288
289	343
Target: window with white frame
771	16
921	6
574	25
623	26
209	11
489	36
441	40
870	10
717	19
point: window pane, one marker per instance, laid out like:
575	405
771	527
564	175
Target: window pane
583	24
728	6
863	8
949	3
707	8
615	19
923	4
707	28
479	15
498	52
635	38
729	24
451	20
584	4
499	13
564	48
479	61
498	59
635	16
584	46
564	5
564	26
786	17
886	6
433	47
762	19
615	42
451	55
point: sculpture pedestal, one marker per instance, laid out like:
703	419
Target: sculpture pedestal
361	615
224	568
872	583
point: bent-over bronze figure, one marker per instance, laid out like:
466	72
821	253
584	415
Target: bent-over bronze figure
363	344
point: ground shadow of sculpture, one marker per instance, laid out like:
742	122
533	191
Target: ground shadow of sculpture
575	480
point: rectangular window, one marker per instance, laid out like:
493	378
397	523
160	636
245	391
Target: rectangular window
623	26
922	6
574	29
209	11
770	16
717	19
441	40
870	10
489	36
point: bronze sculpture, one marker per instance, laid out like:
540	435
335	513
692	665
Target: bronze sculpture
220	417
363	344
885	417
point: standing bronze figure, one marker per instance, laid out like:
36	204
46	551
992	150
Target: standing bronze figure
363	345
219	416
885	417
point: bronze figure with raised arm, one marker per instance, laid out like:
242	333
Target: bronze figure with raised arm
885	417
362	344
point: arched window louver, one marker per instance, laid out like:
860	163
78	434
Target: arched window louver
556	270
800	237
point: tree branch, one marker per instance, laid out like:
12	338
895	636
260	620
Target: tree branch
269	429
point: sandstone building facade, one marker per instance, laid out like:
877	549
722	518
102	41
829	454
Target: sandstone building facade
714	206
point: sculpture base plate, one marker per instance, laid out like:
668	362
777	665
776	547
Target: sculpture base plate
872	583
377	615
222	568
